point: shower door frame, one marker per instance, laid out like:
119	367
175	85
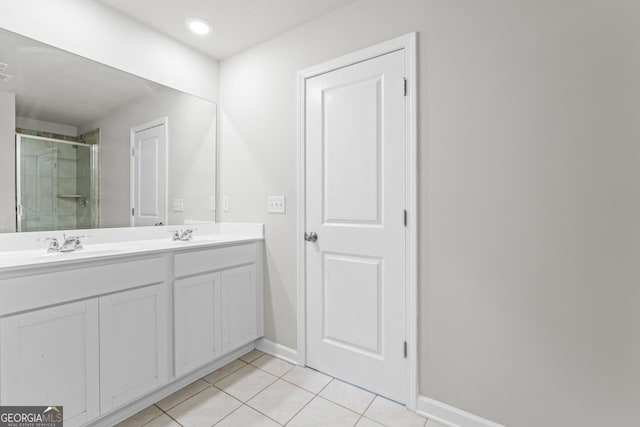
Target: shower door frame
93	165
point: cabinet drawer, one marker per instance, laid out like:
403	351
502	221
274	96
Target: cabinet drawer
214	259
29	292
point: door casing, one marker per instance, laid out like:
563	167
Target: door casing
407	43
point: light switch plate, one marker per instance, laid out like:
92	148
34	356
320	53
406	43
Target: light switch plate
225	203
276	204
178	205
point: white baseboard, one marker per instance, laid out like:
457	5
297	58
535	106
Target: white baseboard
277	350
450	416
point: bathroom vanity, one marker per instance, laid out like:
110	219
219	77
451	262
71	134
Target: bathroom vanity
109	329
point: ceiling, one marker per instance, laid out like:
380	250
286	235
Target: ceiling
236	24
60	87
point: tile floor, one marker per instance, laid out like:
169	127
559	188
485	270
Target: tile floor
258	390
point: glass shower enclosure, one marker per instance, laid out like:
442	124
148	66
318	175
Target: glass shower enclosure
56	185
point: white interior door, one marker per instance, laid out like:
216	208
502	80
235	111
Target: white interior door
355	202
149	174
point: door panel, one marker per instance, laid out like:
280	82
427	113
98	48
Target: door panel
149	176
349	145
356	330
355	186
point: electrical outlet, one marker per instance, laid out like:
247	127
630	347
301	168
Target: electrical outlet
225	203
178	205
276	204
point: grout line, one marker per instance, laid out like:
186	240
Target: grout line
176	421
228	415
185	399
316	395
369	405
232	372
244	404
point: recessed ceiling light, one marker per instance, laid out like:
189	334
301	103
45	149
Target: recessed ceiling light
198	26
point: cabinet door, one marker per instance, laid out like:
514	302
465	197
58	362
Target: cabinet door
133	344
239	306
197	322
50	357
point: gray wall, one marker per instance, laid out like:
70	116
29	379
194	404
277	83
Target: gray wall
192	155
7	162
529	195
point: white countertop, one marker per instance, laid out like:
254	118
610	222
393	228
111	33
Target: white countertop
21	259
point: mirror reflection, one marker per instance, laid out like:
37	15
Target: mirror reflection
92	146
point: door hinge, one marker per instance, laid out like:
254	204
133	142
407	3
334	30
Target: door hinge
405	217
133	151
404	85
405	349
133	211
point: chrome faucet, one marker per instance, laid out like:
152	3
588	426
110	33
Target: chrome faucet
182	236
187	235
71	243
54	244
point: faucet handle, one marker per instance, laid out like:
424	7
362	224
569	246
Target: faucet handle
187	234
54	244
175	234
77	244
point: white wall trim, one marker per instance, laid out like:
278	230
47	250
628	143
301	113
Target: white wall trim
407	42
449	415
277	350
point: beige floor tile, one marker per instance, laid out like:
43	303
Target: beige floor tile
142	417
162	421
307	378
204	409
349	396
387	412
246	417
366	422
182	395
251	356
273	365
432	423
321	413
226	370
281	401
246	382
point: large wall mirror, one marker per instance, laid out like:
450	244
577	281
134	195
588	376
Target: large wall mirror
97	147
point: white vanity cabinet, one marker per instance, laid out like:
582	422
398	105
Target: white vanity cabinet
133	344
218	308
106	337
50	357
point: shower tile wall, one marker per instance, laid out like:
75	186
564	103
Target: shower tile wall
37	185
57	184
48	173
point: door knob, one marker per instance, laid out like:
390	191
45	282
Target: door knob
310	237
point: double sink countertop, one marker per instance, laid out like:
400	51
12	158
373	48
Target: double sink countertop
115	243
